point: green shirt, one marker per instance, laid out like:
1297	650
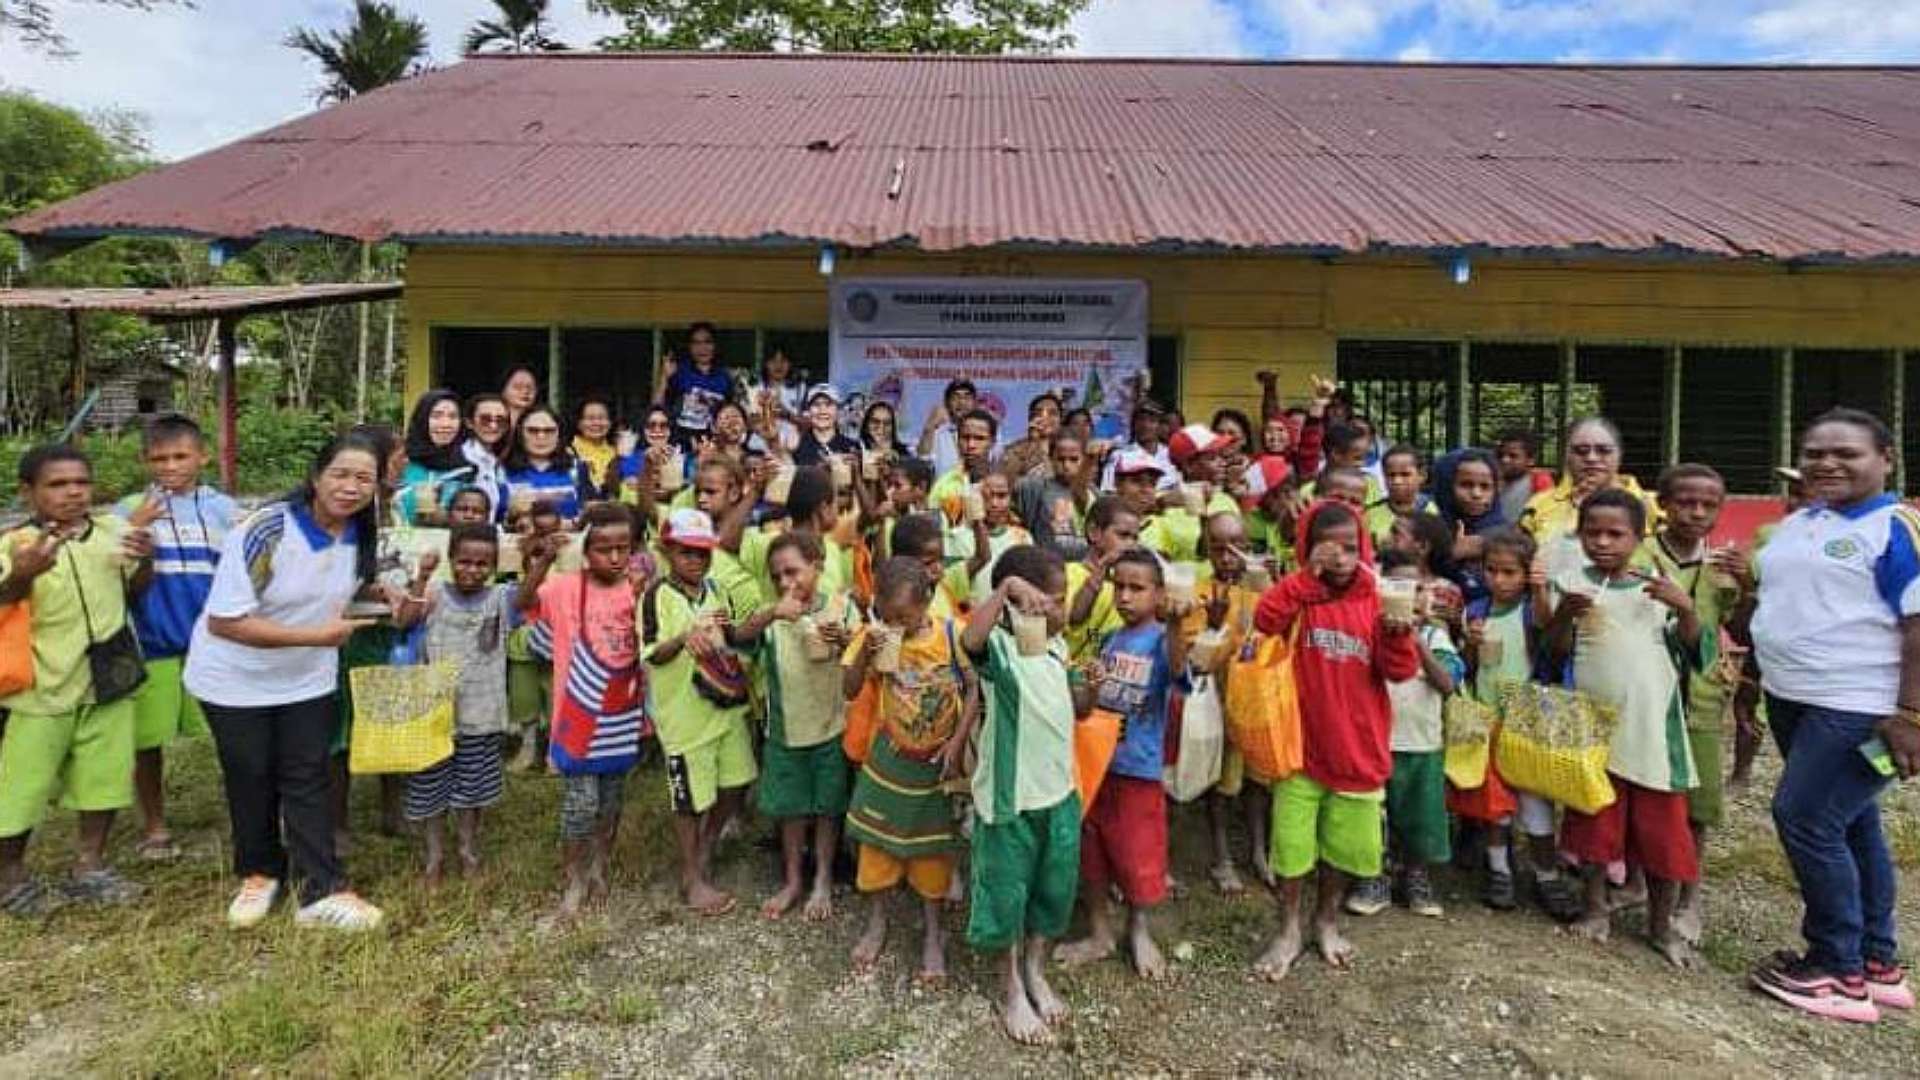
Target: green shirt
757	542
805	705
91	566
1175	532
1026	742
1714	602
1085	640
683	717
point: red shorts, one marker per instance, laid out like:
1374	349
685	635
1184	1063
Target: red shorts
1647	828
1124	839
1490	803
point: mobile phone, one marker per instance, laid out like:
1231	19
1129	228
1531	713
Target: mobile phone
1877	755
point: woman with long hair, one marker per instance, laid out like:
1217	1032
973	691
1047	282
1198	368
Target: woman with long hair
490	427
539	468
436	466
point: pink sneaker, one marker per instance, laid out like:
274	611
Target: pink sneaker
1812	989
1887	985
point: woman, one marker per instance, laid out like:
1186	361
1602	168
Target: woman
1592	463
520	391
435	465
880	430
492	427
539	468
1837	638
593	449
656	447
1234	459
781	390
822	440
264	665
1043	421
694	389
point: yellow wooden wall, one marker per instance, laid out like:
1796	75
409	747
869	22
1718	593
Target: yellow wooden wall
1233	315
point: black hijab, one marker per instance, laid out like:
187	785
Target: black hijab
421	449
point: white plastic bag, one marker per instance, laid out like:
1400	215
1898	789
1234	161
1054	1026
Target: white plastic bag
1203	740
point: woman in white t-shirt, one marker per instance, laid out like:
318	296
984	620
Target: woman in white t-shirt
264	665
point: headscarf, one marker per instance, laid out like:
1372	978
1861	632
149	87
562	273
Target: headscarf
421	449
1444	471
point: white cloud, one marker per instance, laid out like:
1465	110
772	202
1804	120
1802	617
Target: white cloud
1837	29
1333	28
1417	53
1160	28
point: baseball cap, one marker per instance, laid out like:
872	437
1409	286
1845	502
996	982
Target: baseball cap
1266	474
1137	461
825	390
690	528
1196	439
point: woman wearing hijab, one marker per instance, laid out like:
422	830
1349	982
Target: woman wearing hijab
1466	493
436	467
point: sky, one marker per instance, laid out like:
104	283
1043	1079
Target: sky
205	76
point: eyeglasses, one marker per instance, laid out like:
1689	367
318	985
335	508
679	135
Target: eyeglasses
658	425
490	420
541	430
1592	450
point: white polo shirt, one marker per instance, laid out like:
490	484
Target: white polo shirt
313	575
1834	586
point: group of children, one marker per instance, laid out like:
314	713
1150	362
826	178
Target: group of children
889	655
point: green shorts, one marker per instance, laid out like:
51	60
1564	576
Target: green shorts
1025	875
1707	803
529	682
86	756
696	775
162	708
1314	824
807	781
1417	807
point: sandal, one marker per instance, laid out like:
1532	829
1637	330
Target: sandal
101	886
157	849
30	899
1560	898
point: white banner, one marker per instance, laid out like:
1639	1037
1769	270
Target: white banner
901	340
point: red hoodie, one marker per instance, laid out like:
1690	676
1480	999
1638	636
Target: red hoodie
1342	668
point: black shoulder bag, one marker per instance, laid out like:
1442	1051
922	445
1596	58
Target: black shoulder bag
115	662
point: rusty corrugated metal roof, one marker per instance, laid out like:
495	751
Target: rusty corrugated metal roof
198	302
943	153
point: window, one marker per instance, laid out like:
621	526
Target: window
616	364
808	349
1516	386
1627	385
1405	388
1729	406
1163	369
475	360
1829	378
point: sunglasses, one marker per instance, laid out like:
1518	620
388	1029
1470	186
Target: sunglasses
490	421
541	430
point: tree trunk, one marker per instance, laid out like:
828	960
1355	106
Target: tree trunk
6	355
366	274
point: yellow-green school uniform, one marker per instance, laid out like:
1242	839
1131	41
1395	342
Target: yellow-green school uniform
707	746
805	773
1175	532
1706	690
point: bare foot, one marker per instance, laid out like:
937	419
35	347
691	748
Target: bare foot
1051	1008
1146	956
469	864
705	900
432	876
866	951
1677	951
572	899
1274	964
1023	1025
956	892
1335	949
1264	871
1088	950
1689	922
933	962
597	888
1627	896
781	902
1596	928
819	904
1226	879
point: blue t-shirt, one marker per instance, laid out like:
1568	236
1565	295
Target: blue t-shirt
553	485
186	549
696	394
1137	677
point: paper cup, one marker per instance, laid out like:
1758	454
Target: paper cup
1030	633
1398	597
976	504
887	660
1207	647
842	469
780	483
1492	652
1196	498
1181	579
873	465
673	472
817	648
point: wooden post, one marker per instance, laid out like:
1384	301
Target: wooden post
1670	435
556	369
76	322
1783	431
1569	372
1462	434
1897	388
229	405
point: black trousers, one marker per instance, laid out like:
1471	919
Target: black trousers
274	759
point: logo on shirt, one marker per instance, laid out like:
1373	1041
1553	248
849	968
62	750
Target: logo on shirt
1338	646
1842	549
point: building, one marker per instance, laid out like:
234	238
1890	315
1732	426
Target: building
1709	255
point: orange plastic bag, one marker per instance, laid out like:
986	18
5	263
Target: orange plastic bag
863	722
1263	709
16	648
1095	740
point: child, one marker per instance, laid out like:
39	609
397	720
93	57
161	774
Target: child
921	537
189	521
804	775
1348	446
468	618
1341	484
1026	842
901	818
1406	477
698	697
530	676
1175	530
720	492
1517	450
1229	611
584	621
1273	494
1619	628
1329	813
977	432
990	537
1464	486
75	571
1424	539
470	506
1123	839
1500	650
1717	581
1112	528
1417	789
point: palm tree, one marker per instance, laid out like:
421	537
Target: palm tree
521	27
380	46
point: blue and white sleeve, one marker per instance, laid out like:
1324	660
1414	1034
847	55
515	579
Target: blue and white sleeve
1897	572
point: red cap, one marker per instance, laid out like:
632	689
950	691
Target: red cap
1196	439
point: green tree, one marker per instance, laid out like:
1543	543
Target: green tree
922	26
521	27
32	21
380	46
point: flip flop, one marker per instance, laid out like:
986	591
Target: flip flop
157	849
725	907
30	899
101	886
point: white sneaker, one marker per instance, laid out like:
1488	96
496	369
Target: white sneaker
255	902
341	911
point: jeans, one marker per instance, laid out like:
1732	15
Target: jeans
275	760
1827	812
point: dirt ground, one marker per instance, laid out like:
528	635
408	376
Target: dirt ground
467	982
